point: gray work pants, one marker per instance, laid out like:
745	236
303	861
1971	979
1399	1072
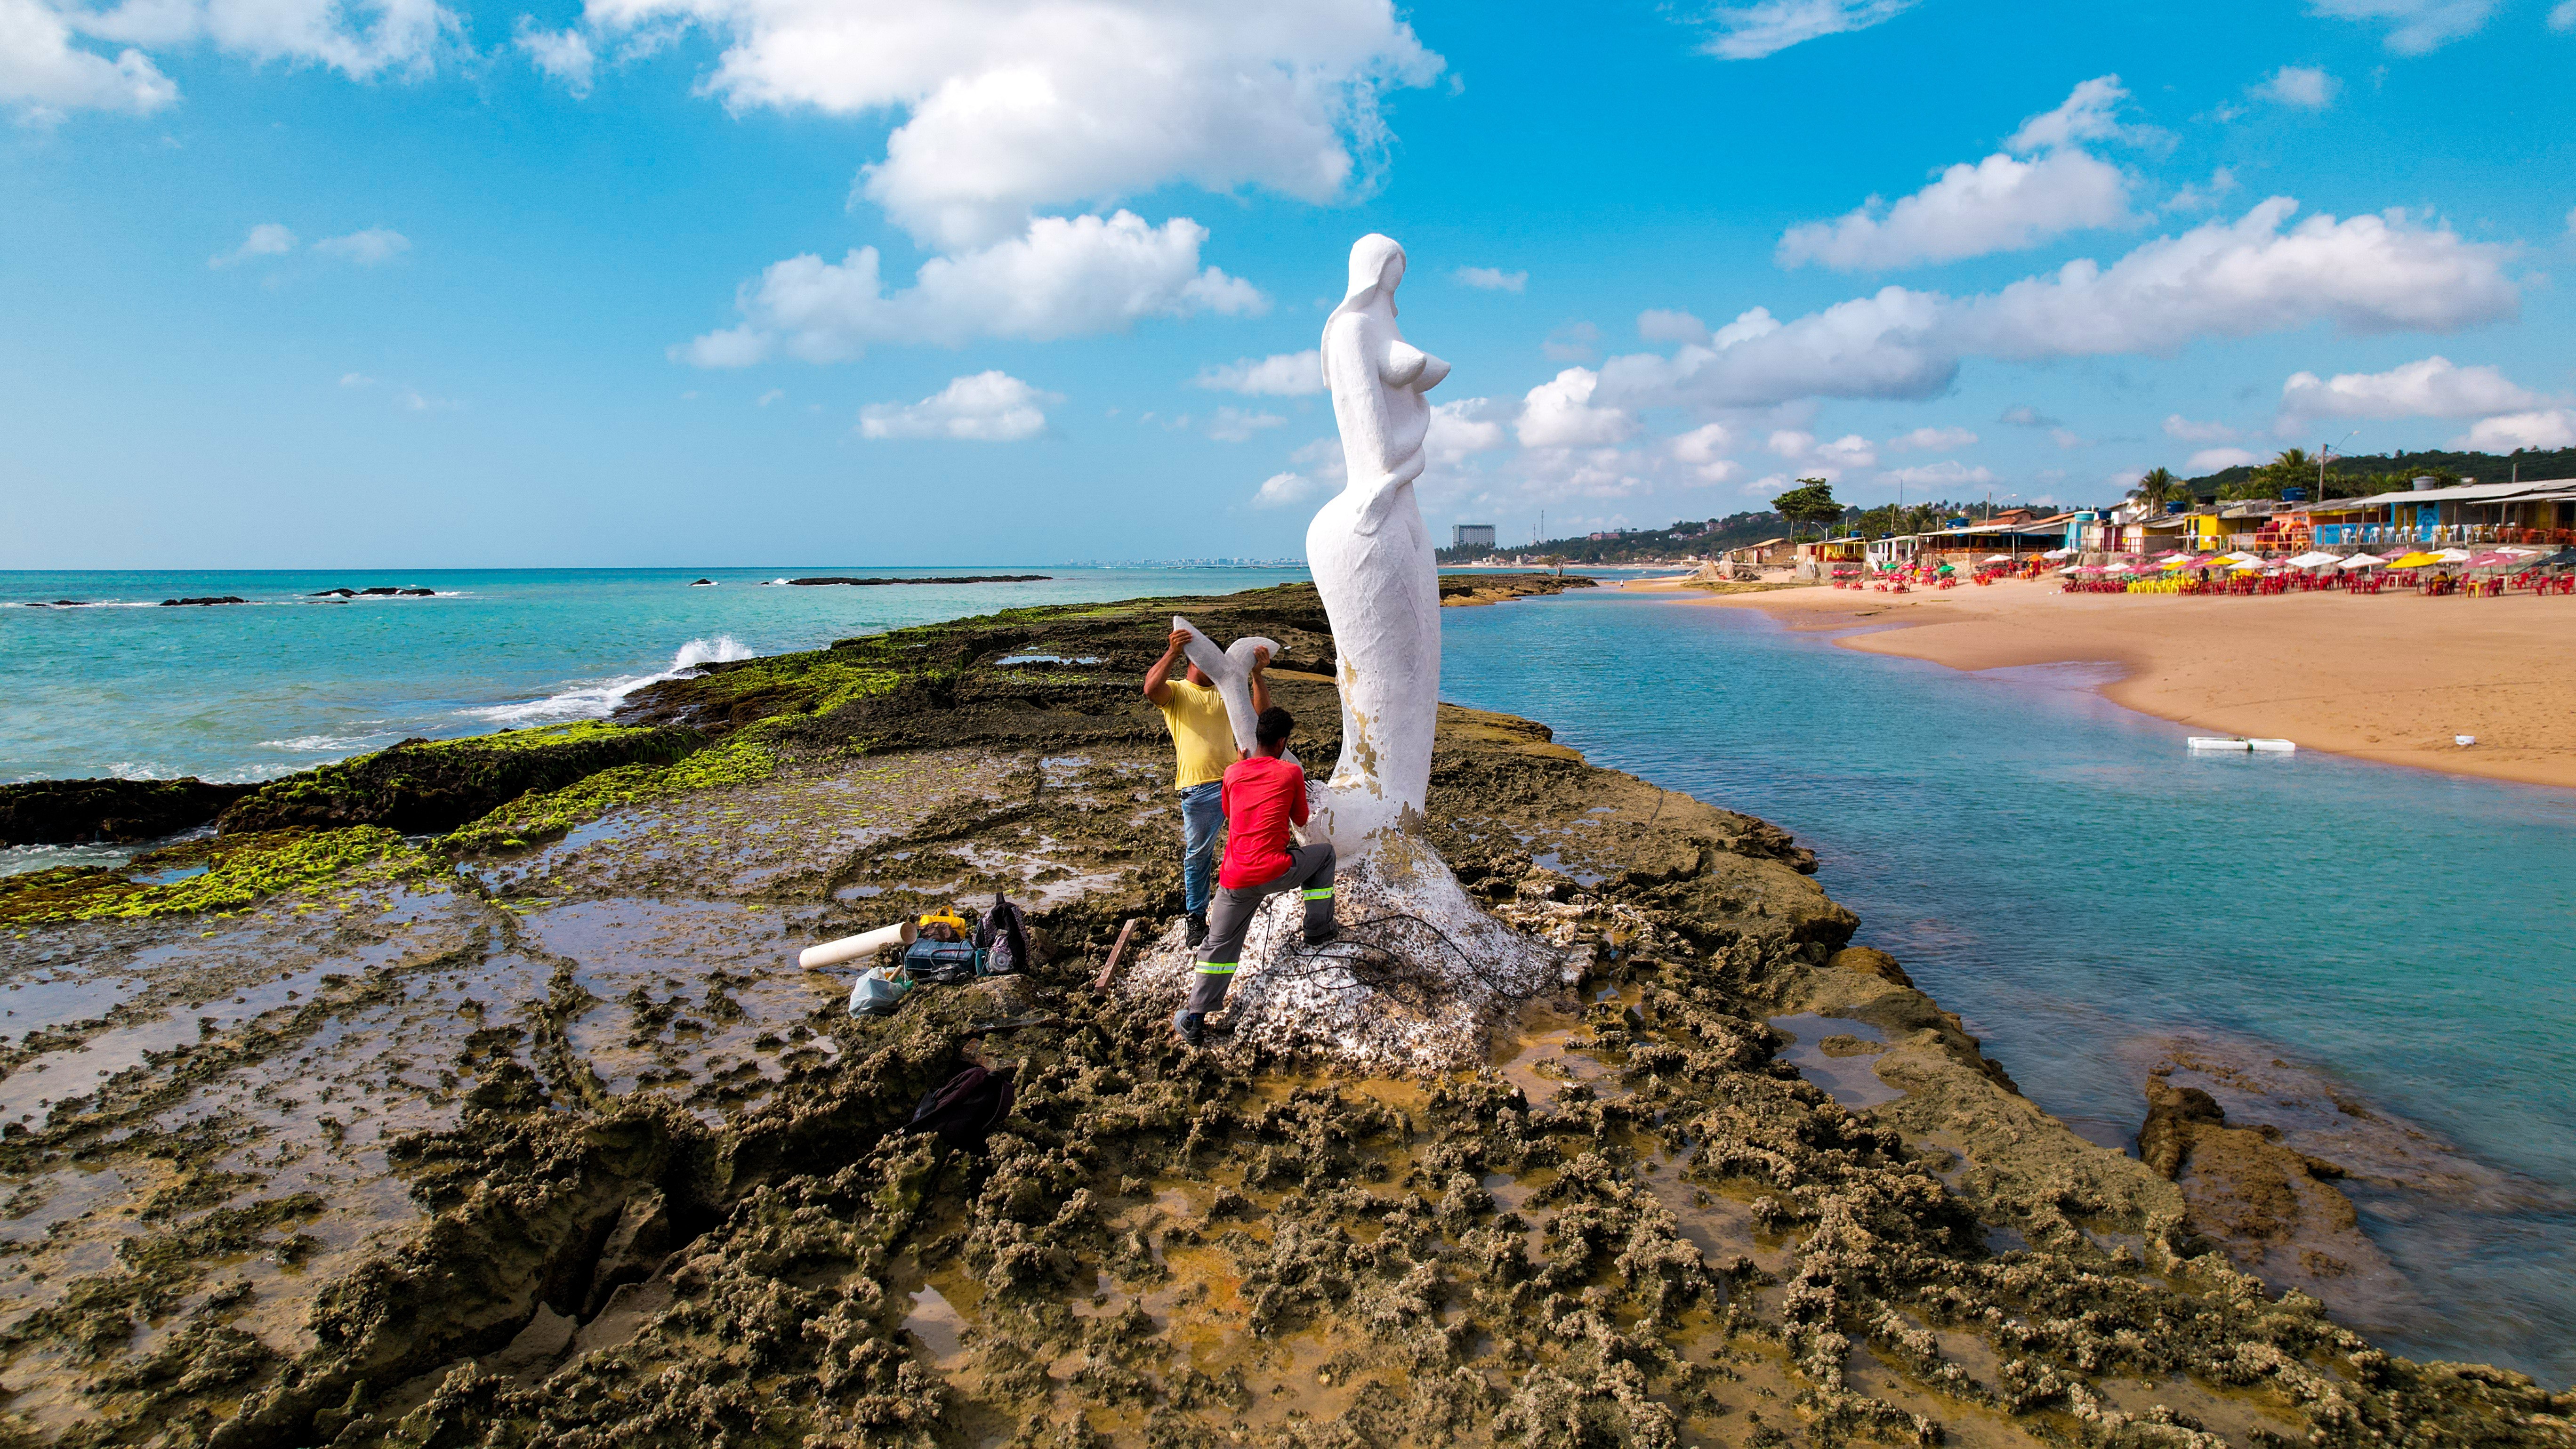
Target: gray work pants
1310	869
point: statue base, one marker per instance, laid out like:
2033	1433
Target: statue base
1414	983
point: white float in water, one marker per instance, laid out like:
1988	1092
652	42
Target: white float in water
2239	742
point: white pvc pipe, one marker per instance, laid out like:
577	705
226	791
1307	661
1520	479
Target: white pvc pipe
848	948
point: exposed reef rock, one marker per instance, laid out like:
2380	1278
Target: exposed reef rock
74	812
551	1144
380	591
209	599
421	787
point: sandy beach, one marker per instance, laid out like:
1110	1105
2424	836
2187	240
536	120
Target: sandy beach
2393	677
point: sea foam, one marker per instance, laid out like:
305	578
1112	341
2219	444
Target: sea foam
598	701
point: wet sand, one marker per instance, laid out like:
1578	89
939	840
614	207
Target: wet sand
2392	678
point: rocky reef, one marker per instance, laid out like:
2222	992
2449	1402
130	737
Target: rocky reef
422	787
80	812
469	1142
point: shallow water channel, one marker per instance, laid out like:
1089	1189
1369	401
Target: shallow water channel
2376	960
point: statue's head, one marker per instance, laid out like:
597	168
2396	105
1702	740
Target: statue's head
1377	265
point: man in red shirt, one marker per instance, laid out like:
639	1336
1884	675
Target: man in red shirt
1264	796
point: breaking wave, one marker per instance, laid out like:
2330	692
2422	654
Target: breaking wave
600	700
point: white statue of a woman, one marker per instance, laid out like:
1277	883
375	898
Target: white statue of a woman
1372	558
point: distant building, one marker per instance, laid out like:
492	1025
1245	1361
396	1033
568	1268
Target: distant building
1471	535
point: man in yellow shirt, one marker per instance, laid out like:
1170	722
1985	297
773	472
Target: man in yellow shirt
1203	739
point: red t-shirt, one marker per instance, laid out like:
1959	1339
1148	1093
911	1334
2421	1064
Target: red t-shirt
1263	797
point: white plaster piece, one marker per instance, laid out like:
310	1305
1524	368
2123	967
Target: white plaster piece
1231	669
1372	560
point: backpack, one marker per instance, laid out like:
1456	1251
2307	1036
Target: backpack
1004	939
966	1108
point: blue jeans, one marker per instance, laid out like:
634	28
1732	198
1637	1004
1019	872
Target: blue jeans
1202	825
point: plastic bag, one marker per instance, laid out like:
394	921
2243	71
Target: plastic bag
878	993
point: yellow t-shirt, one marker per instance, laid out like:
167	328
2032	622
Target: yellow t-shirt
1201	734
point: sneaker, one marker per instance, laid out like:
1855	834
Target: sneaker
1332	932
1197	935
1190	1026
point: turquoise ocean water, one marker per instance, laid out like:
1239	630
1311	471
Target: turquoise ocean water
2056	869
2084	891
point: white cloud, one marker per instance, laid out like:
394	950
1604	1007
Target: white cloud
771	396
1559	414
2067	439
2222	279
1658	325
1750	32
2201	197
1459	429
268	239
2555	428
2002	203
2304	86
1948	473
2025	416
1282	490
1012	106
2430	388
2415	26
1284	374
1234	425
989	407
372	247
2183	429
1492	279
2090	112
564	55
43	74
1830	459
2563	17
1067	276
1932	440
2210	460
1573	342
1701	450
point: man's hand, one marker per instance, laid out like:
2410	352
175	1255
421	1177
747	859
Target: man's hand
1260	660
1179	645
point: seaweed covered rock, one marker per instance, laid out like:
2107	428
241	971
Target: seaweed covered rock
421	787
75	812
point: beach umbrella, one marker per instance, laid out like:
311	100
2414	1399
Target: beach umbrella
2059	553
2179	561
2311	560
2073	569
2364	561
2415	560
2494	559
1999	558
2453	555
2250	565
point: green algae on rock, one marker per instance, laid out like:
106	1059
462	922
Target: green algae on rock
422	787
542	815
230	872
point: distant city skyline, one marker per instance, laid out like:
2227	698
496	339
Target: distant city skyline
646	282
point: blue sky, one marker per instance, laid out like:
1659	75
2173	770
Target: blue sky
706	282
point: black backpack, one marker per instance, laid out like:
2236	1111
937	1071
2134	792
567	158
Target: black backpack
1004	939
966	1108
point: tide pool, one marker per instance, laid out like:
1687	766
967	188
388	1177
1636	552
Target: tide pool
2085	892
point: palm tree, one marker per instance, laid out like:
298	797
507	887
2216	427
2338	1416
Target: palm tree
2154	489
2292	468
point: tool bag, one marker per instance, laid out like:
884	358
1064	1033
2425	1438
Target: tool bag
941	963
966	1108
